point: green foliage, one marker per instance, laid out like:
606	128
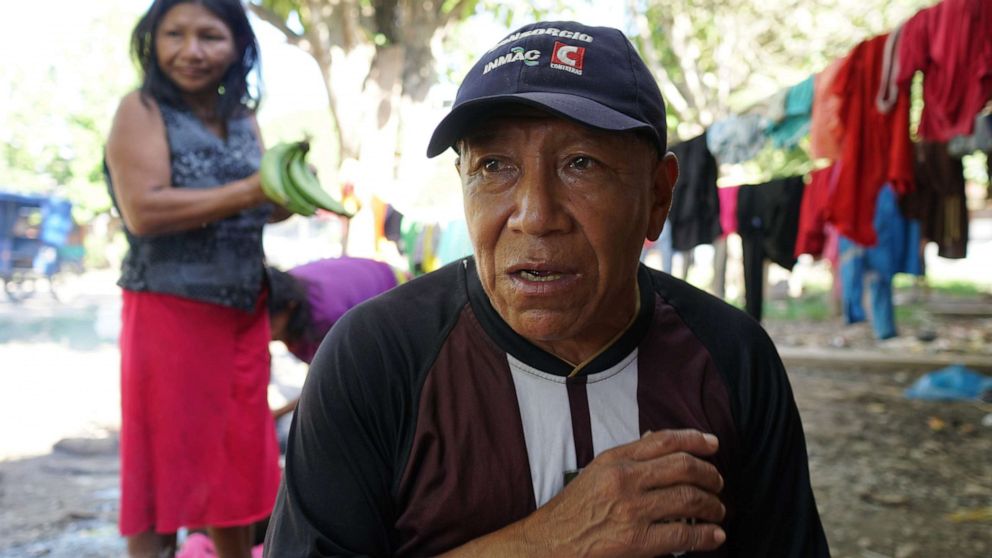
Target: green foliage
723	58
467	8
771	163
282	8
58	102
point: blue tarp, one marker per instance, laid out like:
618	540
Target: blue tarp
953	383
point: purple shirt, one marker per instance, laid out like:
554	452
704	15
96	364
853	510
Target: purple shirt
334	286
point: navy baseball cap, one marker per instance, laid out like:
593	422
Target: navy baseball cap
591	75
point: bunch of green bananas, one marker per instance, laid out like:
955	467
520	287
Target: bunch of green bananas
288	181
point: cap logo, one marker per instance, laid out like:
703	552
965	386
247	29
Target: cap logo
551	31
516	54
568	58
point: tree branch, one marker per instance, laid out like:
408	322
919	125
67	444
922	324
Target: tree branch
270	17
676	100
456	12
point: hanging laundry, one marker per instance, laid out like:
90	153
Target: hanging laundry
938	201
888	87
736	139
825	123
771	109
662	247
728	224
786	133
695	213
951	43
812	235
391	226
979	140
897	251
728	208
412	232
876	147
767	222
454	242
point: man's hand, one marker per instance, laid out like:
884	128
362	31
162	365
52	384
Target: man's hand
633	500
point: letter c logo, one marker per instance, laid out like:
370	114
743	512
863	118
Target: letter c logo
568	54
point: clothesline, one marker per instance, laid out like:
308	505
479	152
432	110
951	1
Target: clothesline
872	183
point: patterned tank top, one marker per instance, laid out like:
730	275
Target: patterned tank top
221	262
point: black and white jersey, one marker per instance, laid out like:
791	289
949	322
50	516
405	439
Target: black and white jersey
426	421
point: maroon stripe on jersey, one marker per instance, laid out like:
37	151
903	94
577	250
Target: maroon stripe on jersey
461	489
578	404
672	360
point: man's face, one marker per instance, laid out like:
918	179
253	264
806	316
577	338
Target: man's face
558	213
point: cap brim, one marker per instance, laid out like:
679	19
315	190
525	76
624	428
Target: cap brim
580	109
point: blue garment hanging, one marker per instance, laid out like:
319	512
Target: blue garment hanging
897	251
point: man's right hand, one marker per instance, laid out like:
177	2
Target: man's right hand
631	500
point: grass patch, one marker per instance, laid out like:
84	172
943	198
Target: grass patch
953	288
815	304
809	307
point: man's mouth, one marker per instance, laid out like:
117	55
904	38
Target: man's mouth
540	276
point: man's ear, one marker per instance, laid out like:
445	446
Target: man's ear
666	173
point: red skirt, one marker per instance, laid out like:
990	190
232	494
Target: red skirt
198	443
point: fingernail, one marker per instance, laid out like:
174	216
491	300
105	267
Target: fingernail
646	433
719	536
711	439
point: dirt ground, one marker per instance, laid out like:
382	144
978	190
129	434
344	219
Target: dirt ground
893	477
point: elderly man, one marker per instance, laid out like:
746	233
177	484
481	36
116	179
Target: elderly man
550	396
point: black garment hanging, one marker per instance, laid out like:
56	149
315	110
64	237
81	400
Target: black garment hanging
939	199
768	222
393	225
695	214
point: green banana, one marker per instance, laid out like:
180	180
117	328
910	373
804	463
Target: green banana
305	183
271	174
297	202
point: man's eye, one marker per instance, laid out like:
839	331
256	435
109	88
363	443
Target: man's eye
491	165
580	162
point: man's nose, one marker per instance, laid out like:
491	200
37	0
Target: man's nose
540	203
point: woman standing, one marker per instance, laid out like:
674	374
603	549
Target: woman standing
197	444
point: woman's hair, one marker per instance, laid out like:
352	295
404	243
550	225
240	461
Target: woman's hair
237	98
287	293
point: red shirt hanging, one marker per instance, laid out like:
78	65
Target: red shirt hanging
951	43
876	147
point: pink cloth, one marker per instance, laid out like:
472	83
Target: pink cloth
951	43
728	209
199	545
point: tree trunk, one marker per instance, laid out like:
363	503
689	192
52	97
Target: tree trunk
377	139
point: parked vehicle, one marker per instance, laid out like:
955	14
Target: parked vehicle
34	230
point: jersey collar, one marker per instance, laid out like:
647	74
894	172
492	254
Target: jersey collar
525	351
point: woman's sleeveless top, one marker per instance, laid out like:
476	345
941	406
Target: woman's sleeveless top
221	262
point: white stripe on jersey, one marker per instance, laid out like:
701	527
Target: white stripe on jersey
547	420
613	408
